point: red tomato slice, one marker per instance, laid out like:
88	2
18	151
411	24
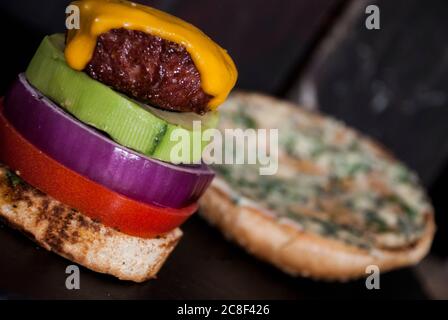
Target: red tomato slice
92	199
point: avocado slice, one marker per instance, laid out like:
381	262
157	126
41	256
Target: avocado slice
131	124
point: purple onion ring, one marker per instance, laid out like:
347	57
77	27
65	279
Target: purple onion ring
98	158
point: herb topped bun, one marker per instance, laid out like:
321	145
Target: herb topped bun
338	203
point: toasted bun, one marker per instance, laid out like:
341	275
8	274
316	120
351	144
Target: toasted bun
248	218
76	237
303	253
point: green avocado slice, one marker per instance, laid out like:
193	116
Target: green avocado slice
131	124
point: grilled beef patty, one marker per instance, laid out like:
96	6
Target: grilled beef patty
150	69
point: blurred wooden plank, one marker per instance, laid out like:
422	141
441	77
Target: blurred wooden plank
266	38
389	83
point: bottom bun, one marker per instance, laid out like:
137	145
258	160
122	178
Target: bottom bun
69	233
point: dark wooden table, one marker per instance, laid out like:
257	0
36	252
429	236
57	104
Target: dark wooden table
204	266
281	47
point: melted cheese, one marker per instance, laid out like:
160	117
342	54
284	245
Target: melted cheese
217	70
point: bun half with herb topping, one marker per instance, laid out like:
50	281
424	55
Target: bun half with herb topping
338	203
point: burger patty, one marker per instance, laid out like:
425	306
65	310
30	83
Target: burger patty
149	69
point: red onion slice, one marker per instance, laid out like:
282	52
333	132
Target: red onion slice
84	150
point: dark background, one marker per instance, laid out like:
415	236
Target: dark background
389	83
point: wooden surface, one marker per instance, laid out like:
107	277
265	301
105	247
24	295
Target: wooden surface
389	83
204	266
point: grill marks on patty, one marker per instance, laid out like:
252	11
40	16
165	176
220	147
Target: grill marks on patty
149	69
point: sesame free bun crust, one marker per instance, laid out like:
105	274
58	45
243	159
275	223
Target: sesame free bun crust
301	251
72	235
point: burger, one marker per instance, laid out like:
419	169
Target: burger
86	147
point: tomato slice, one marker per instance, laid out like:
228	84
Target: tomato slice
94	200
